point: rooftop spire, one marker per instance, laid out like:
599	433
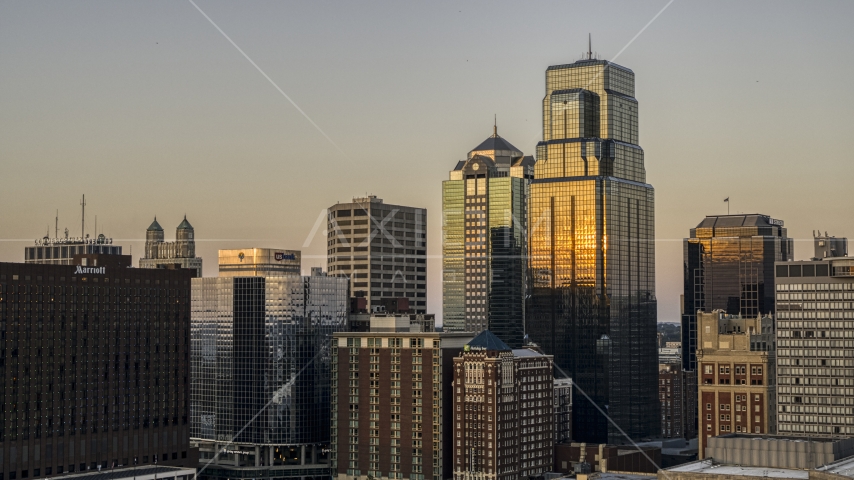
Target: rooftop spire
495	126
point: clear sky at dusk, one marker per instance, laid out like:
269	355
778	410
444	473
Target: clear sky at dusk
147	109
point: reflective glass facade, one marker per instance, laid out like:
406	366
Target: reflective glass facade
484	206
592	251
260	356
729	266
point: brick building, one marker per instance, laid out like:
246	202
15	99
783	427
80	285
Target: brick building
94	364
503	411
736	368
391	413
677	391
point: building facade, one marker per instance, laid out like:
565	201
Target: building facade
563	410
815	347
259	262
729	266
592	251
261	350
736	365
484	244
382	248
391	402
677	392
503	411
61	251
178	254
94	369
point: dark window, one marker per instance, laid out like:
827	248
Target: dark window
794	270
808	270
821	270
782	271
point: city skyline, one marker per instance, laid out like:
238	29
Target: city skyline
120	89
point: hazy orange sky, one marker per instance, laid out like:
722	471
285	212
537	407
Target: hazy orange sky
147	109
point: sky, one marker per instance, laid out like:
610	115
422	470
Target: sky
149	109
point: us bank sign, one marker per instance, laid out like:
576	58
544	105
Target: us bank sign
93	270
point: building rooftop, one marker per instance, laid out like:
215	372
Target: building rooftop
840	467
751	220
487	340
495	142
155	226
709	466
185	225
136	472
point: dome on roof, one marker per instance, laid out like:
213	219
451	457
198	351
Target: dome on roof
155	227
185	225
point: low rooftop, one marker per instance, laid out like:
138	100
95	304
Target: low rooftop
709	466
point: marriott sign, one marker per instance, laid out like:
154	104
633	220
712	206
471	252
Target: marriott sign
80	269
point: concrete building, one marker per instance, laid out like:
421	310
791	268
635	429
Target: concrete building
94	368
178	254
736	364
740	456
815	353
503	404
364	322
484	244
677	391
260	397
382	248
392	411
261	262
591	458
563	410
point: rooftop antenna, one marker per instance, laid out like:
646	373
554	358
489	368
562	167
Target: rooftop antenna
96	225
589	46
83	218
56	230
495	126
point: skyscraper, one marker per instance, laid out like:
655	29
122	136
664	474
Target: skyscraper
592	251
178	254
260	351
484	222
382	248
729	266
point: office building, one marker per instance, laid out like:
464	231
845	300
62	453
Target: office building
736	366
259	262
260	392
93	366
178	254
392	412
815	353
677	392
563	410
503	411
484	244
382	248
729	266
61	251
416	322
592	251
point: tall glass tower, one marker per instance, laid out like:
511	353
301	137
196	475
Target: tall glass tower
729	265
592	251
484	221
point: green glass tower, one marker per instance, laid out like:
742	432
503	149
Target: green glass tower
592	251
484	222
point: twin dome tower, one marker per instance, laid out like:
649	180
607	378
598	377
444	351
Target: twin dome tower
178	254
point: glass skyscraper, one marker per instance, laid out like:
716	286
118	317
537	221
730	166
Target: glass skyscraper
592	251
729	266
260	352
484	222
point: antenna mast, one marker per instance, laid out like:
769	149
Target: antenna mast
589	46
83	218
56	230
